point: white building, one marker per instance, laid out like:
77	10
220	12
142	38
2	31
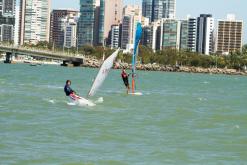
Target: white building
16	33
34	21
115	33
70	38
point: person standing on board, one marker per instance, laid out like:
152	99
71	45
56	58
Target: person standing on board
125	78
69	92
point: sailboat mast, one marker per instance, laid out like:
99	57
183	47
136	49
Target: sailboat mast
133	74
103	58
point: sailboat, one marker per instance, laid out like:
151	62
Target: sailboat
103	73
134	57
98	81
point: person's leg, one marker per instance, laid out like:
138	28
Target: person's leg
128	89
126	83
72	96
78	97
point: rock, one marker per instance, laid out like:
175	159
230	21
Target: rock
92	62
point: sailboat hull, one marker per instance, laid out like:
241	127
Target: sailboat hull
78	100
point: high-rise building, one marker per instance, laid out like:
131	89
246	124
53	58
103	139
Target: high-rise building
88	23
16	31
188	34
110	14
205	27
151	35
230	35
192	29
147	36
156	27
126	30
7	20
147	9
170	34
70	34
60	18
34	21
115	36
184	35
131	15
158	9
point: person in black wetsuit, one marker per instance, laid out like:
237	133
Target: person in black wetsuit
68	91
125	78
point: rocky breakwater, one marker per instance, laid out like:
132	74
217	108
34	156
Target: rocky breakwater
212	70
94	63
187	69
91	62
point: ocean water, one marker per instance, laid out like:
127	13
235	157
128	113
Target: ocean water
180	119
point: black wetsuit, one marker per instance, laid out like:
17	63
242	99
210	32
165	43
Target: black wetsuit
67	90
125	79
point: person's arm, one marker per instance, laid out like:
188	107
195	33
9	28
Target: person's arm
70	90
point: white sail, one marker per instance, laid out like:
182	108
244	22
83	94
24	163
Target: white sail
103	72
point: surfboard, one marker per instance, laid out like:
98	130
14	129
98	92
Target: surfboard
136	93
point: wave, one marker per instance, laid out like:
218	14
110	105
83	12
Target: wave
49	100
202	99
50	86
99	100
71	103
112	91
236	127
2	82
82	103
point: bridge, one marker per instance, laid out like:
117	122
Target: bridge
68	59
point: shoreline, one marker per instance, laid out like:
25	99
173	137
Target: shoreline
94	63
32	62
157	67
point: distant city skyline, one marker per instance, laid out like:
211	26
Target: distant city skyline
193	8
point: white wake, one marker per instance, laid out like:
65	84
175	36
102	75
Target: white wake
85	102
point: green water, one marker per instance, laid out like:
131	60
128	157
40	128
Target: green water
181	118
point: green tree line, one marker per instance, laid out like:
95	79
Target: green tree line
172	57
236	60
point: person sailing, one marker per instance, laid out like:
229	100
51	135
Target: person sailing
125	78
70	92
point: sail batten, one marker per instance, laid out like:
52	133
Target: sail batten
103	72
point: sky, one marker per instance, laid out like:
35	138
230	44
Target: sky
218	8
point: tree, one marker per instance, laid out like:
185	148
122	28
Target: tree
43	45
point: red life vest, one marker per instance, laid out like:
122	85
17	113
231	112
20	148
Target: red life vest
124	75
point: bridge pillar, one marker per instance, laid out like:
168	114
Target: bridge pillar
8	57
72	62
67	63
